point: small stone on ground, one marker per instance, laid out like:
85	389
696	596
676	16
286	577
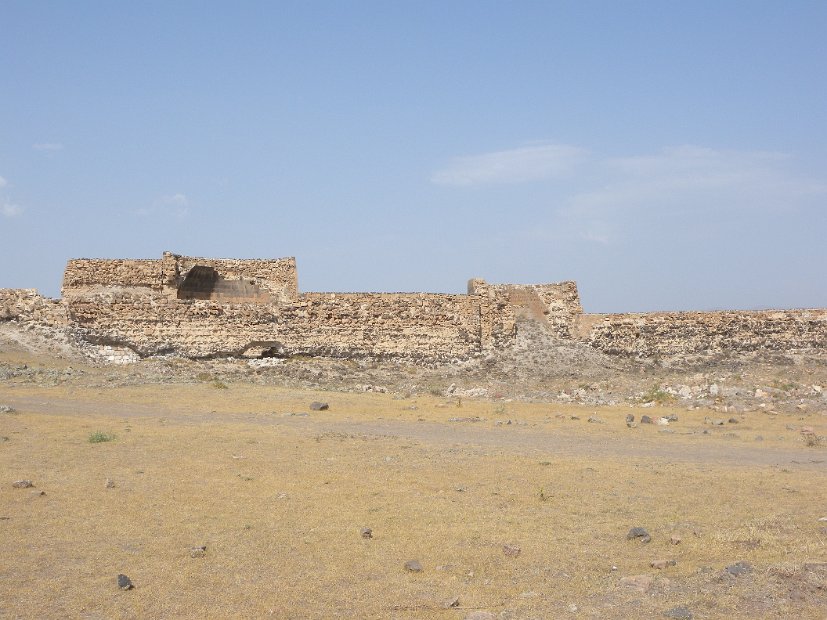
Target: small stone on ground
366	532
124	582
23	484
639	532
317	406
413	566
678	613
739	568
511	550
198	552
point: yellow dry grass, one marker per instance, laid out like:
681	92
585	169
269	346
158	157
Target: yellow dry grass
279	501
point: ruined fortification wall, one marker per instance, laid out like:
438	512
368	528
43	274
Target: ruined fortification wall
681	333
86	273
253	280
555	305
278	277
202	307
411	325
26	304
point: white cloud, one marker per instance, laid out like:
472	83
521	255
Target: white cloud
10	210
529	163
170	204
49	147
3	182
175	200
697	178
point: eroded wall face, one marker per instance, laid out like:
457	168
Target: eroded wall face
703	333
221	307
414	326
247	280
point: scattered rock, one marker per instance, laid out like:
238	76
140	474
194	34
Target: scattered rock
23	484
639	532
672	417
574	417
413	566
738	569
717	422
451	602
38	493
822	519
124	582
675	539
110	484
317	406
641	583
662	564
366	532
595	420
6	409
733	420
645	419
198	552
630	419
511	550
663	421
678	613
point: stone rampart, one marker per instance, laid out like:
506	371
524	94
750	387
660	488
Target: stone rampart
200	307
692	333
26	304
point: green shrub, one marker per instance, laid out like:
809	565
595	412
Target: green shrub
101	437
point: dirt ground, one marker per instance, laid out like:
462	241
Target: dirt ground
519	509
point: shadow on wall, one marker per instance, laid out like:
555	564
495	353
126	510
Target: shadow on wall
205	283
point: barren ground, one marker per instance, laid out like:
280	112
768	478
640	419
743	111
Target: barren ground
278	494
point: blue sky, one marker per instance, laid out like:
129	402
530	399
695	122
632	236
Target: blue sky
666	155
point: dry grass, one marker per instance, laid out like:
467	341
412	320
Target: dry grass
279	502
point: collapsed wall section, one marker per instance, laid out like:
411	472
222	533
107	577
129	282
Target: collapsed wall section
555	306
27	305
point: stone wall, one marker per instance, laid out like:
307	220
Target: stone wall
555	305
261	280
27	305
200	307
682	333
417	325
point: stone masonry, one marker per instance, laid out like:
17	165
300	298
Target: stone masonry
198	307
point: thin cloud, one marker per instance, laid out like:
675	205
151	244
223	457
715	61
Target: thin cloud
10	210
691	177
49	147
176	204
530	163
175	200
3	182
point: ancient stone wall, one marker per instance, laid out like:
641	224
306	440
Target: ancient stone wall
201	307
26	304
555	305
278	277
410	325
246	280
682	333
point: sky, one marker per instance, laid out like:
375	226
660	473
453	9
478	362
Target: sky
665	155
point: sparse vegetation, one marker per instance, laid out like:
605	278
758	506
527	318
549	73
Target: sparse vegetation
101	437
657	395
